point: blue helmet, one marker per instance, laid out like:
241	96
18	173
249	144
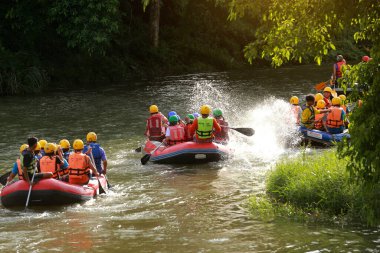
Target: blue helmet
196	115
172	113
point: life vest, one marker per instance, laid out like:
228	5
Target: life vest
222	135
49	164
338	69
155	126
334	118
188	135
177	134
309	123
19	170
204	130
296	110
32	165
327	102
79	168
97	154
318	124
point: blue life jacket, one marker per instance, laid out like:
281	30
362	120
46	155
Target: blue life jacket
96	153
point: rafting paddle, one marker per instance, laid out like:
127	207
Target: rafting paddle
146	157
138	150
320	86
3	178
30	188
244	130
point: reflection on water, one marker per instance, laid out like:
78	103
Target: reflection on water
166	208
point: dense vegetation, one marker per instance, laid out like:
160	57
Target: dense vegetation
87	41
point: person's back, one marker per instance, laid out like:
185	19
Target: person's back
50	162
175	133
155	125
222	136
338	69
320	119
189	119
335	118
204	126
98	153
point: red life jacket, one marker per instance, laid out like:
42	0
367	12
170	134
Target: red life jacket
296	109
334	118
79	168
222	135
318	124
338	68
327	101
177	134
155	126
188	135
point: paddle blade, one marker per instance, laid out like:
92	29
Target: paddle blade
3	178
145	159
101	189
138	150
246	131
320	86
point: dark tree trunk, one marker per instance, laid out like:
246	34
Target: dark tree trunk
155	22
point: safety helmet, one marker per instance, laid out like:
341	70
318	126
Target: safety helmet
172	113
23	147
327	89
217	112
91	136
318	97
294	100
50	148
64	143
42	143
342	97
78	144
38	147
153	109
339	57
190	116
205	109
321	104
336	101
173	119
196	115
365	58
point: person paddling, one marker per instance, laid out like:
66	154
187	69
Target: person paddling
29	163
98	153
204	126
80	165
156	124
222	136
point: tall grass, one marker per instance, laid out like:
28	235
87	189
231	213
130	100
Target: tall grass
311	186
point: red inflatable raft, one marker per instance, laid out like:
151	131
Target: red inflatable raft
50	192
187	152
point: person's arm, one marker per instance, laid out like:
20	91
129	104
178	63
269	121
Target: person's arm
334	74
193	127
104	160
27	159
92	166
216	126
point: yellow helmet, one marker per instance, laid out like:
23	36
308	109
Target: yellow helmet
91	136
327	89
23	147
321	104
42	143
38	147
335	101
78	144
64	143
294	100
153	109
318	97
50	148
205	109
342	97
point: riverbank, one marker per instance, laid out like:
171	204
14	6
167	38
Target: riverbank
315	187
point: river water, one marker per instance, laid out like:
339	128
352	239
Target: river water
167	208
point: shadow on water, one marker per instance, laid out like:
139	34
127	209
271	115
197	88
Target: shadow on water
169	208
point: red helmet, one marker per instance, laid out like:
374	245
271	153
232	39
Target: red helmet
365	58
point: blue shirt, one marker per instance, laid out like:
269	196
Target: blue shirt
15	169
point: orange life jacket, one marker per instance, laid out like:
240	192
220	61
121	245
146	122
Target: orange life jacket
338	69
155	127
49	164
296	109
344	107
318	124
177	134
19	169
79	169
334	118
327	101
